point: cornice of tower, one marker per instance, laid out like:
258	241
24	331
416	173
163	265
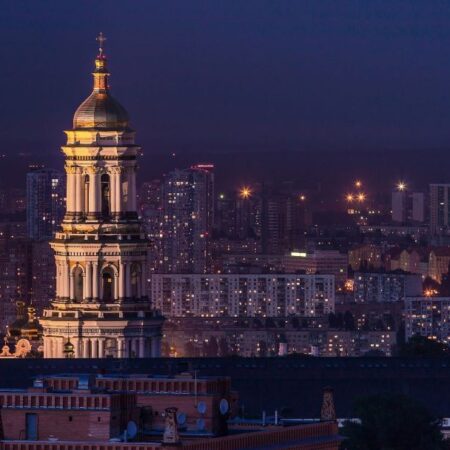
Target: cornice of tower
101	153
100	137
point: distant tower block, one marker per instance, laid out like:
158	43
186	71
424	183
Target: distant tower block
101	305
328	413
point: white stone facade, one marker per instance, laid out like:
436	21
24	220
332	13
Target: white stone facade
101	305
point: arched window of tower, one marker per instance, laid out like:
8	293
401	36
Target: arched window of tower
108	284
78	283
105	195
135	280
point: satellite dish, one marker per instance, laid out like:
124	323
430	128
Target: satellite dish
224	406
132	429
200	424
181	418
201	407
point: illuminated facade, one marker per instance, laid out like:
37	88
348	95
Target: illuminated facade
188	218
429	317
101	305
234	295
45	203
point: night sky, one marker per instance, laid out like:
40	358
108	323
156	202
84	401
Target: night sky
227	75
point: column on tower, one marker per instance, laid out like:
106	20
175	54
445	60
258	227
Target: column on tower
86	348
76	346
128	280
79	194
94	192
58	279
121	280
112	190
131	182
141	347
116	286
70	190
143	279
71	285
66	279
94	348
88	281
120	349
116	190
101	348
95	280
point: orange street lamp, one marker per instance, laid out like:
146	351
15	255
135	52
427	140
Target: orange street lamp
245	192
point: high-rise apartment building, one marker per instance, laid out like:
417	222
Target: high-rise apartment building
439	208
274	295
188	218
45	203
376	287
408	207
150	212
15	274
429	317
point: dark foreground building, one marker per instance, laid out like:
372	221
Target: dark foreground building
120	412
290	385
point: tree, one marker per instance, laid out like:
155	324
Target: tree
419	345
392	422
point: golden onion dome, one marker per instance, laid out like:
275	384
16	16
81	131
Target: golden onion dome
100	109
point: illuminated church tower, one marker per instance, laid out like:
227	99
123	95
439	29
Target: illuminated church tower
101	306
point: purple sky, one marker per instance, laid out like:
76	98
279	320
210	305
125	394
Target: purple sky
219	75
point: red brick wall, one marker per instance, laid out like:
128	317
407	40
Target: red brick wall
253	441
186	404
85	425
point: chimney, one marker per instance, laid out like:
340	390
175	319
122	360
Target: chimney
328	413
171	436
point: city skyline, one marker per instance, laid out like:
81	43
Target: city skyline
242	220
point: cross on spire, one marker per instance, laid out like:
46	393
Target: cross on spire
101	41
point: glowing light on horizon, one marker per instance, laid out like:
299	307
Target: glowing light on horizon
401	185
358	183
361	197
245	192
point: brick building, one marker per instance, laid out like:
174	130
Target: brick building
82	412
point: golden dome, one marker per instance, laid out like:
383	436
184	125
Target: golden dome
100	109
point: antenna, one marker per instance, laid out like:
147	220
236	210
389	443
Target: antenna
201	408
181	418
132	429
224	406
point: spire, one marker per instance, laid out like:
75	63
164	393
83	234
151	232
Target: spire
101	73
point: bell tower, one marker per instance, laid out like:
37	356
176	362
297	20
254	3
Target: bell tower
101	302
